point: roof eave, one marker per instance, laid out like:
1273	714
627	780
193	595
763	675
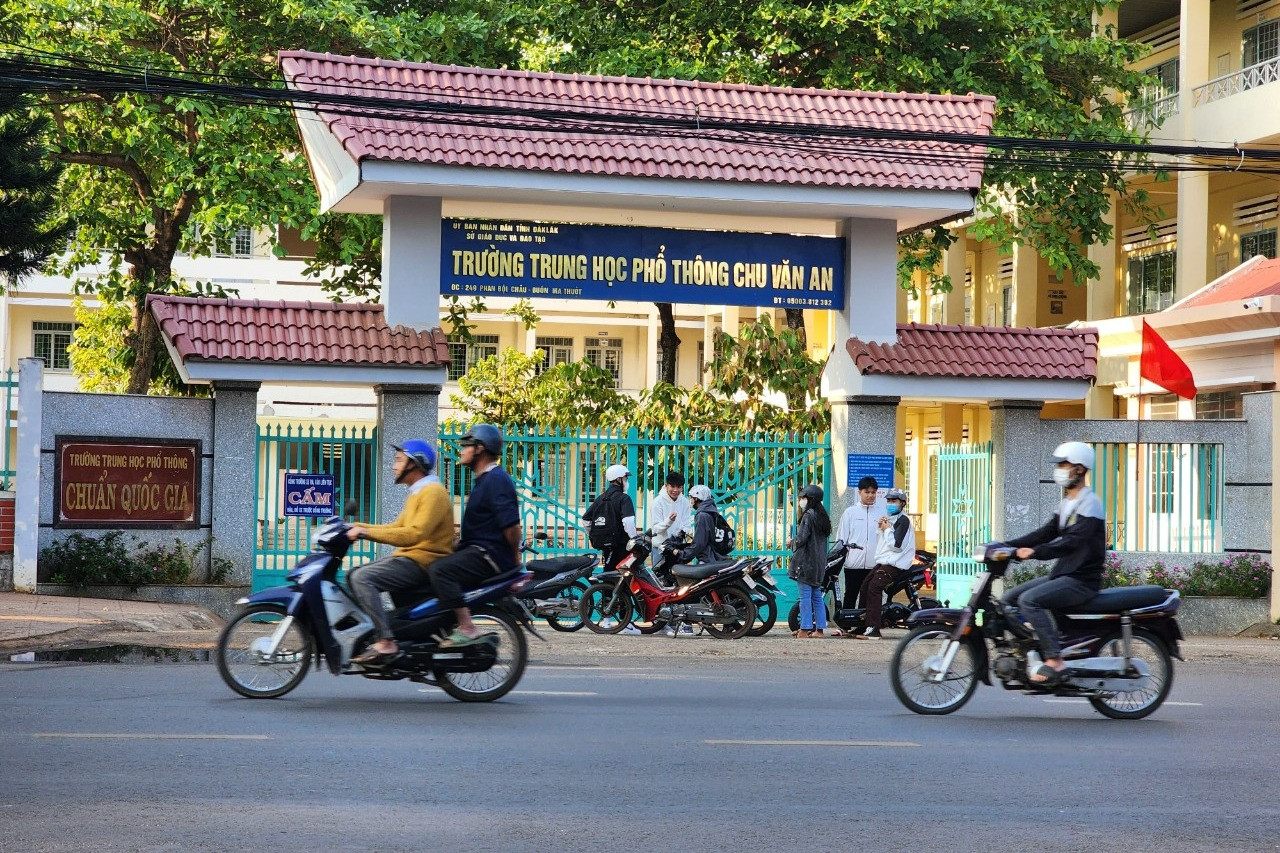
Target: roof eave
205	372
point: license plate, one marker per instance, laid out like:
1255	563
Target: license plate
751	583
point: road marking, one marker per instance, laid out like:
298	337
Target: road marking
886	743
554	693
124	736
1082	701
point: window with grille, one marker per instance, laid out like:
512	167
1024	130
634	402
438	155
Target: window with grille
1260	44
463	355
554	351
1162	81
235	242
1219	405
1006	305
51	343
606	353
1258	243
1162	461
1162	407
1151	282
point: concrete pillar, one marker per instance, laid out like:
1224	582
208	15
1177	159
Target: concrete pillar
954	264
1101	304
858	425
27	465
651	348
404	412
1026	286
411	261
235	460
1193	234
1017	468
1100	403
708	346
870	299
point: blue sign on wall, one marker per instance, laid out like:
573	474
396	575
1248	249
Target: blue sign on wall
482	257
878	465
308	494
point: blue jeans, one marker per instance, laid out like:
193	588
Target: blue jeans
812	607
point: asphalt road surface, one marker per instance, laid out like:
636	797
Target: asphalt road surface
608	751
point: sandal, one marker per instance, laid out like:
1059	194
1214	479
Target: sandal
374	657
1046	676
802	634
457	639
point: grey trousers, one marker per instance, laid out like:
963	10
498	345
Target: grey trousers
1035	598
390	574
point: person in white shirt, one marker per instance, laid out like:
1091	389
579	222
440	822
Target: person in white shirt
858	526
669	511
895	550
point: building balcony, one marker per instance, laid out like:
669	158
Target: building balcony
1239	81
1151	114
1240	105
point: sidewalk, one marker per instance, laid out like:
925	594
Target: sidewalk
32	622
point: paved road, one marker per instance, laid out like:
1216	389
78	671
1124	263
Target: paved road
624	754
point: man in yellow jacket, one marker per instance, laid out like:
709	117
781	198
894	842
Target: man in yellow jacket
422	533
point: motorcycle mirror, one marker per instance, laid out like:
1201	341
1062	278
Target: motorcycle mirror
350	508
541	536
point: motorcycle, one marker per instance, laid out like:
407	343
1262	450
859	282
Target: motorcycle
894	614
557	587
1119	648
764	595
267	648
712	595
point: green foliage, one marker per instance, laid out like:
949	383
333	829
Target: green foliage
507	389
101	357
80	560
764	362
1237	575
30	228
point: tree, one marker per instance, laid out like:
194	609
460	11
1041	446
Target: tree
507	389
152	174
30	227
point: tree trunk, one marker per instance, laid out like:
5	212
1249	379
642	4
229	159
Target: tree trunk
795	322
146	345
668	342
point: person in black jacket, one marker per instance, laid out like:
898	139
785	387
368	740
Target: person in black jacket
705	512
611	518
1076	535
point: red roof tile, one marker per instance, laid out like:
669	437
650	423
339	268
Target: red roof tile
253	330
547	143
985	352
1258	276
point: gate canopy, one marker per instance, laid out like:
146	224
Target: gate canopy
519	145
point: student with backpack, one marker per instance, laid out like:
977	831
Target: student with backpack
713	538
611	518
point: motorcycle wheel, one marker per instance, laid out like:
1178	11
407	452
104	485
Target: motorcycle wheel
1155	687
912	659
736	603
573	595
766	614
793	618
498	680
241	657
602	612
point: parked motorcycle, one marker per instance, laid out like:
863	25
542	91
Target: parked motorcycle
894	614
1119	647
712	595
268	646
557	587
764	595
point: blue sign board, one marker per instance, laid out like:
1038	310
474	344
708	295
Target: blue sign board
308	494
482	257
878	465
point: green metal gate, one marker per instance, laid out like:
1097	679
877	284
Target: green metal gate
964	516
350	454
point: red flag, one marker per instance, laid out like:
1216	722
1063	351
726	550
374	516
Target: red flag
1163	366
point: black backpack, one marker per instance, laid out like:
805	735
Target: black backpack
603	517
724	539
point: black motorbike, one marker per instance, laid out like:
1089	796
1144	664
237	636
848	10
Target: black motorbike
557	587
894	614
1119	648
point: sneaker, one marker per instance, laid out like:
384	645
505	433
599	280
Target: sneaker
869	634
686	630
630	629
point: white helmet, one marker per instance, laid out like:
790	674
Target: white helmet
616	472
699	493
1075	452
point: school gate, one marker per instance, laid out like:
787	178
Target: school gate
754	477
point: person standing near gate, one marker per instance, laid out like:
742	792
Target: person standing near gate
809	560
611	518
859	526
669	512
422	534
895	548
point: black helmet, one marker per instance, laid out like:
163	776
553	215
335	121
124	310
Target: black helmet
812	492
487	436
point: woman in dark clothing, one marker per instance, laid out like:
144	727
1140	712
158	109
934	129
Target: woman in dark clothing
809	560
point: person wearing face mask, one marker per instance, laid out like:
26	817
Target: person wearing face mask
809	560
1075	535
895	549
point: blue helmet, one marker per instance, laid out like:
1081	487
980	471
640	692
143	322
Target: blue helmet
421	452
487	436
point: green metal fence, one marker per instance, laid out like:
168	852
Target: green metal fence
350	454
1161	497
964	516
9	386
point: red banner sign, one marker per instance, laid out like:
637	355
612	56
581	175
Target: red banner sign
128	483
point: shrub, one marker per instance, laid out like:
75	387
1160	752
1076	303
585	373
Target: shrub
80	560
1237	576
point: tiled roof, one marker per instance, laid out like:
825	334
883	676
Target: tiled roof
520	140
1258	276
259	331
985	352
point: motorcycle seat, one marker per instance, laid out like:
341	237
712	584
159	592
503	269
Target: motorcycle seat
1121	598
549	566
700	571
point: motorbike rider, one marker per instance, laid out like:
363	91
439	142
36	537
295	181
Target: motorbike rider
1076	535
705	514
422	533
489	538
895	549
670	513
611	518
859	526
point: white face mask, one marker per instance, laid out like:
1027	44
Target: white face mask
1062	476
804	504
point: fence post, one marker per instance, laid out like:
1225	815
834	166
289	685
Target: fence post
633	460
30	479
1016	467
404	412
234	465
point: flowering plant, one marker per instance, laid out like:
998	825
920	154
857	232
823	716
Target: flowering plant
1236	576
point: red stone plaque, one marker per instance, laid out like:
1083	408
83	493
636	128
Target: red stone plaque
127	483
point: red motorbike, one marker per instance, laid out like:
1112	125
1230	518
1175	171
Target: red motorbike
712	595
